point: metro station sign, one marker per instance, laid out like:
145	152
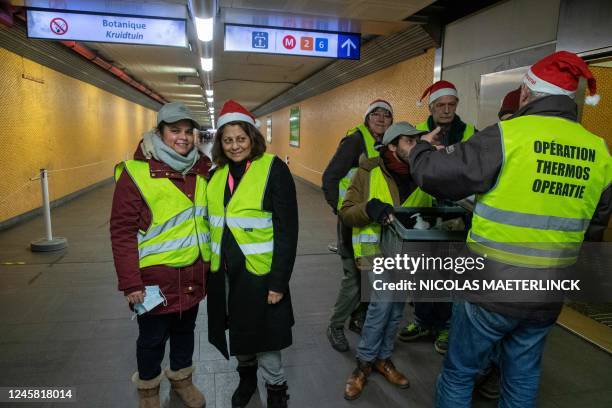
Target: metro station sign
55	25
270	40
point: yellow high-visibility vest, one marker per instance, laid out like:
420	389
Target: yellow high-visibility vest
244	215
179	232
370	152
551	180
366	240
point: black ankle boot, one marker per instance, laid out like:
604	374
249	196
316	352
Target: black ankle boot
277	395
247	386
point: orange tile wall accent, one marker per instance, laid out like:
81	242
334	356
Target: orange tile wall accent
50	120
325	118
598	118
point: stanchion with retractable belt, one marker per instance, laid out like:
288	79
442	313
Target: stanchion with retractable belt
48	243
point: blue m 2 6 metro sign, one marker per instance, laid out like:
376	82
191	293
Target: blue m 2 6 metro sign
271	40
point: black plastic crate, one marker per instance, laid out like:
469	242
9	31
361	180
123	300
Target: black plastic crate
399	237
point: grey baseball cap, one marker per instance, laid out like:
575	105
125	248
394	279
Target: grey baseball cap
398	129
175	111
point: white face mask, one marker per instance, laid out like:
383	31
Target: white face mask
153	297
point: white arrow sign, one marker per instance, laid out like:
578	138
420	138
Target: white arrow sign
348	44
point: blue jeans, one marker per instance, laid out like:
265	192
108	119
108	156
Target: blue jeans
474	332
379	330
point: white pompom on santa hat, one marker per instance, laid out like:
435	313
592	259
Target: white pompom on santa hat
559	73
378	103
438	89
232	111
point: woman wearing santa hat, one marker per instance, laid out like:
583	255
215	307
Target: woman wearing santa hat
253	218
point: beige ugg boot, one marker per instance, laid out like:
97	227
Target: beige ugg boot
183	386
148	391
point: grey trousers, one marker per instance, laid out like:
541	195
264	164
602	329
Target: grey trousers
347	302
270	364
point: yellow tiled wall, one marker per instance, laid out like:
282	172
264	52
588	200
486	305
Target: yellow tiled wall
50	120
598	118
325	118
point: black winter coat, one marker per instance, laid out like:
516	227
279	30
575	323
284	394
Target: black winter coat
254	325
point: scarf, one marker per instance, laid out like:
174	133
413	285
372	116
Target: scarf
394	165
454	134
176	161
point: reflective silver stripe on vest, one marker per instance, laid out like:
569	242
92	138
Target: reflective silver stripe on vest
180	243
365	239
216	220
172	222
543	222
215	247
254	249
568	252
249	222
204	237
342	192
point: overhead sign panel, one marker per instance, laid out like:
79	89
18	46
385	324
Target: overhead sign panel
54	25
270	40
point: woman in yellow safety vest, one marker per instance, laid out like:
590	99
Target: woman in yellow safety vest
161	248
254	228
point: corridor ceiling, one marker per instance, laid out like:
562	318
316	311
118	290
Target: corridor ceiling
251	79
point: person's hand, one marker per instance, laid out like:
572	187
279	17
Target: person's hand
136	297
432	137
274	297
380	212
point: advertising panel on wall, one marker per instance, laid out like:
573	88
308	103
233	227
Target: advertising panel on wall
294	127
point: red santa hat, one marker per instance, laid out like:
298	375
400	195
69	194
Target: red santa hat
559	73
438	89
232	111
378	103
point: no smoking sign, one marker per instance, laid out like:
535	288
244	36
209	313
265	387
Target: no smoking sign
58	26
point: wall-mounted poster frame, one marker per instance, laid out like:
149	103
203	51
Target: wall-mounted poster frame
294	127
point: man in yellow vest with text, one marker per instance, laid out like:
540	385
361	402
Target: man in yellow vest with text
543	185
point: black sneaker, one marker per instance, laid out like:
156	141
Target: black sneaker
333	247
356	325
413	331
489	388
337	339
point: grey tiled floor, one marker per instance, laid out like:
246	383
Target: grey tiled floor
63	323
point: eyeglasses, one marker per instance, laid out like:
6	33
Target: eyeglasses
380	115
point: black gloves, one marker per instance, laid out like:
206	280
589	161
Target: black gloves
378	211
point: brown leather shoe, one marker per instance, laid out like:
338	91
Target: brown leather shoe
357	380
388	370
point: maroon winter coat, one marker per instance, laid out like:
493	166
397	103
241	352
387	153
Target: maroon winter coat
183	287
